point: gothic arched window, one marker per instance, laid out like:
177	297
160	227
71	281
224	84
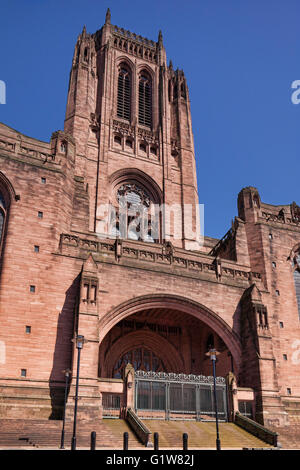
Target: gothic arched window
210	342
145	100
296	265
141	359
4	206
136	216
2	217
124	93
7	195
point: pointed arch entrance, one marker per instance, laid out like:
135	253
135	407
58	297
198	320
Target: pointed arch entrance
166	335
160	308
164	339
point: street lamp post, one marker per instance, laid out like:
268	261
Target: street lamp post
62	441
79	345
213	356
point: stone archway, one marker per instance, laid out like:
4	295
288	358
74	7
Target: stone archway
167	302
171	358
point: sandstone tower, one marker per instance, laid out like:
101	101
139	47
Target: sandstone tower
152	298
129	114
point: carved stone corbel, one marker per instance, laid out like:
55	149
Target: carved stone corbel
118	249
218	266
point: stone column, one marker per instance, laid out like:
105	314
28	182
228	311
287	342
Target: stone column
129	385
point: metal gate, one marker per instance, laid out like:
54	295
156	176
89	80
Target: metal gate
179	396
111	403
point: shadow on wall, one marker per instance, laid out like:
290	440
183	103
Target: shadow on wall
62	358
236	324
250	374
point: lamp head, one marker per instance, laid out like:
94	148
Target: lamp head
212	353
79	341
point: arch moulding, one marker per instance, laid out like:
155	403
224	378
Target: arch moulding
8	189
124	174
145	338
175	302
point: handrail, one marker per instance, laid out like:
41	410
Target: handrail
256	429
138	427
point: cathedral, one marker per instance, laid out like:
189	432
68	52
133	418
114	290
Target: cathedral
112	250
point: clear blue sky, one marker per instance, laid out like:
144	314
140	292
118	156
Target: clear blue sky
239	56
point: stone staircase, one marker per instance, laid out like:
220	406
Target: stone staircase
202	435
29	434
16	433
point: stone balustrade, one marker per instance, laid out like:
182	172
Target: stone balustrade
160	255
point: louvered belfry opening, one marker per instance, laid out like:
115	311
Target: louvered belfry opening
145	101
124	94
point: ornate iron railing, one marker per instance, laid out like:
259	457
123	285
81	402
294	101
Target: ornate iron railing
173	377
169	396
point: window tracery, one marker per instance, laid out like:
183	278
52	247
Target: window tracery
124	93
141	359
210	342
136	216
145	100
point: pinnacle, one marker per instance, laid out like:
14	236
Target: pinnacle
160	38
108	17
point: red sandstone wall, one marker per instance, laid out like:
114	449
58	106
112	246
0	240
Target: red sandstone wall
76	182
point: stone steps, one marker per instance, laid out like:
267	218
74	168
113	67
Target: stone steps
109	434
45	433
202	435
